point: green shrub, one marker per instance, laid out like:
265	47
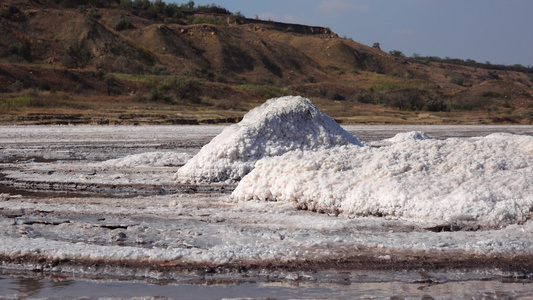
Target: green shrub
19	52
493	75
364	98
12	12
436	106
162	92
188	89
17	85
93	13
44	86
237	17
457	80
17	103
463	106
409	99
160	70
110	81
122	23
397	53
337	96
126	4
170	88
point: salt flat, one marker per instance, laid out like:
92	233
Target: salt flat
67	208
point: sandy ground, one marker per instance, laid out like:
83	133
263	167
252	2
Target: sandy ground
64	211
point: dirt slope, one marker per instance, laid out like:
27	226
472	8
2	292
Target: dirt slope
209	61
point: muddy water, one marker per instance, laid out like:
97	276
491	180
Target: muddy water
61	288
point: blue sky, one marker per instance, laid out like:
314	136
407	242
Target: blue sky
498	31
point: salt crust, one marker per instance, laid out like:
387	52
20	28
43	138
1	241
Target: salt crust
278	126
482	181
152	159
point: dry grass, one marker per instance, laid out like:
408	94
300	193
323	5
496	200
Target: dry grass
26	107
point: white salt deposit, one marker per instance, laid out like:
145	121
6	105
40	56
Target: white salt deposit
468	181
152	159
402	137
408	136
272	129
485	181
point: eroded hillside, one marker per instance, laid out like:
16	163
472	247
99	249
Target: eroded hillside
114	65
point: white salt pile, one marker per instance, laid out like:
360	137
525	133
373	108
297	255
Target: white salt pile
402	137
485	182
149	159
272	129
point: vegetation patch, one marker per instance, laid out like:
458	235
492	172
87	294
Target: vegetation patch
30	99
170	89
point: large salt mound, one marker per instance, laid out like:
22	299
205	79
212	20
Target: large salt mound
485	182
278	126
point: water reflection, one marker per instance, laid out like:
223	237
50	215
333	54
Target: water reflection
28	286
31	287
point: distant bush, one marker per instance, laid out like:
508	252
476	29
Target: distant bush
170	88
436	106
93	13
122	23
457	80
18	85
18	52
493	75
237	17
31	99
188	89
76	56
397	53
162	92
364	98
67	61
463	106
126	4
5	13
155	9
337	96
110	81
409	99
473	63
160	70
12	13
44	86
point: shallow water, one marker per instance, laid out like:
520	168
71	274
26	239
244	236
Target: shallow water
61	288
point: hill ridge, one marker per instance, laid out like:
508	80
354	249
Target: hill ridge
216	65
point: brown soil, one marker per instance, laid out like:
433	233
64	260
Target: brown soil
100	73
